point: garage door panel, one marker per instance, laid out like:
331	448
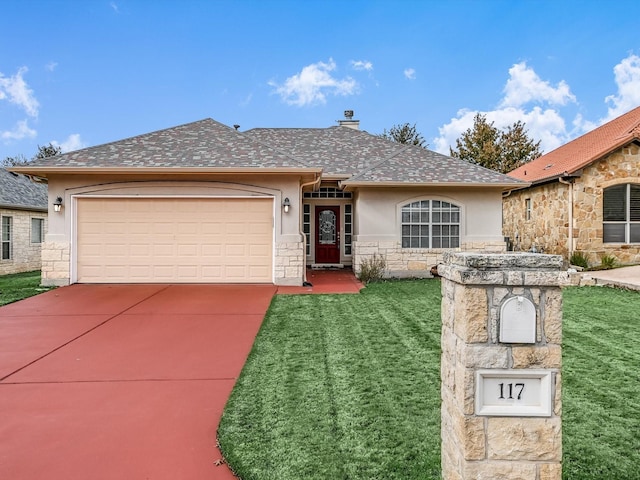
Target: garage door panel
174	240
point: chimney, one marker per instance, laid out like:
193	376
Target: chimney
348	121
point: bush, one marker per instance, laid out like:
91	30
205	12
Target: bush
579	259
608	261
372	269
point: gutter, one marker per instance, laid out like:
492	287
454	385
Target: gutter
570	179
317	181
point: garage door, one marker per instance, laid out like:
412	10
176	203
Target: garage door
174	240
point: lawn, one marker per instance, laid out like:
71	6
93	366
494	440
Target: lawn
20	285
347	387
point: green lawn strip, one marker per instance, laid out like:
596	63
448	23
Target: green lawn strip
341	387
347	387
601	384
19	285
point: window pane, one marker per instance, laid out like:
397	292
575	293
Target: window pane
614	204
634	203
406	216
415	242
436	242
436	217
614	232
36	230
634	233
405	242
415	217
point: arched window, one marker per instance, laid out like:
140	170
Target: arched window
621	214
430	224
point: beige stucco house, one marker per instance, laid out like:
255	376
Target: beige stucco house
23	222
584	196
204	202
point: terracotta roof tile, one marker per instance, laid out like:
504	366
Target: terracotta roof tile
584	150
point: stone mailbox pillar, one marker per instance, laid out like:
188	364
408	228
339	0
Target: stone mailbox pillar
501	359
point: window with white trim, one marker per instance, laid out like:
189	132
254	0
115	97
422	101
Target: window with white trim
430	224
527	208
7	238
621	214
37	230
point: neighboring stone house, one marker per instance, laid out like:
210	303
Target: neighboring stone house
204	202
584	196
23	222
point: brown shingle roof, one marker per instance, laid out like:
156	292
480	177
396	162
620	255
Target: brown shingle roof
582	151
20	192
203	144
354	156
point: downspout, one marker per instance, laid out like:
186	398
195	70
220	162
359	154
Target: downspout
304	235
569	183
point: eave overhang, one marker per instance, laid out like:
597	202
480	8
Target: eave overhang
47	172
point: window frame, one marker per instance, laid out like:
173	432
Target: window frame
6	237
430	223
527	208
631	208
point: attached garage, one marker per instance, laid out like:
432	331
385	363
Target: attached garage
174	240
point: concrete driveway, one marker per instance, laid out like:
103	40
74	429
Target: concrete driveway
122	381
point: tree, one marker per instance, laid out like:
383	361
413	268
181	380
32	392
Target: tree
486	145
44	151
406	134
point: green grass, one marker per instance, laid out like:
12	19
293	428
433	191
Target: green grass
347	387
18	286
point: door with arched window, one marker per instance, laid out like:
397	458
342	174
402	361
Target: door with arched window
327	234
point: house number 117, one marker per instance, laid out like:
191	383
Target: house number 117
510	390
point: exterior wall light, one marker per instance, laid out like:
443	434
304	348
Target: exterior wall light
57	205
286	204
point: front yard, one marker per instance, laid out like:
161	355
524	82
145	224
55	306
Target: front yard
348	387
20	285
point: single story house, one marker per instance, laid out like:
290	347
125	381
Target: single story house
204	202
23	222
583	196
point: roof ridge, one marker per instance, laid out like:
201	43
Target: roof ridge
380	162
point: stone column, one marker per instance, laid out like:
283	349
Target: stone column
512	430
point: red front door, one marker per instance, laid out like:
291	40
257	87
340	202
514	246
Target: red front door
327	234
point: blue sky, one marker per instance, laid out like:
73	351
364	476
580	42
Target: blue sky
86	72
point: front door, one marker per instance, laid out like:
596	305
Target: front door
327	234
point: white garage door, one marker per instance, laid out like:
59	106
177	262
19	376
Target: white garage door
174	240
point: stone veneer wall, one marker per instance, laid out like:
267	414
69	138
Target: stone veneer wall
549	226
26	255
474	286
55	264
289	263
413	262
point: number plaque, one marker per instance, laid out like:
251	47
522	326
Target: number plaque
513	393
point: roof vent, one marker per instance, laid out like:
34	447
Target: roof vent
236	126
348	121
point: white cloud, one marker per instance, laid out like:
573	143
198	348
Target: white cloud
51	66
525	86
20	131
627	78
312	85
362	65
73	142
410	73
529	99
114	6
16	91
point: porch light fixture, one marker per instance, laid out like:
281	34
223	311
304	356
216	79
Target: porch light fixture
57	205
286	204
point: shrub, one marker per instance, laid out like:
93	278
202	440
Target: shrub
608	261
372	269
579	259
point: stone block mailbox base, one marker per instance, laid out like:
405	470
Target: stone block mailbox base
501	402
